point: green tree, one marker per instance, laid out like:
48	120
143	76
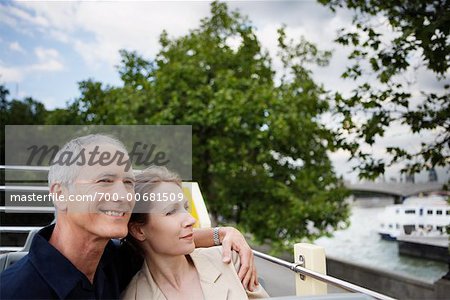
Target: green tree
4	92
259	151
418	29
18	112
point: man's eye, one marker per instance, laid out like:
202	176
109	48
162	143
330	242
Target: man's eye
130	183
105	180
186	207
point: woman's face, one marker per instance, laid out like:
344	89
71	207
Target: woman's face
170	226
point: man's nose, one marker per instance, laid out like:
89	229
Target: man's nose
122	193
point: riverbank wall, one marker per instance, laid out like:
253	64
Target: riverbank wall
388	283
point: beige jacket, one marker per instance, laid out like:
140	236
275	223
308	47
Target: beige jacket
219	281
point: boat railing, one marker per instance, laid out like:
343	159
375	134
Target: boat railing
309	265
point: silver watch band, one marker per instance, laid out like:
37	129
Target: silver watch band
216	236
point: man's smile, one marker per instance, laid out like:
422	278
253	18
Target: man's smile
113	213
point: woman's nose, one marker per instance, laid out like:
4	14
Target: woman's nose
190	220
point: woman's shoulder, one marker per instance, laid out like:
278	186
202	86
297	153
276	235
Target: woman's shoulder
213	257
214	254
215	251
141	285
131	289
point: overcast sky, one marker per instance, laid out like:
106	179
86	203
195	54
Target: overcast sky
47	47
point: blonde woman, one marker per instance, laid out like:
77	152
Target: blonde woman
173	268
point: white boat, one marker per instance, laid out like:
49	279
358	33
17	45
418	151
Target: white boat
424	216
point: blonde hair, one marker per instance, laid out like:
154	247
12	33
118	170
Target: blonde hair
149	178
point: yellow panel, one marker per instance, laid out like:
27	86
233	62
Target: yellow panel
192	209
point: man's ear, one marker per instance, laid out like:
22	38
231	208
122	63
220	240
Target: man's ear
59	200
136	231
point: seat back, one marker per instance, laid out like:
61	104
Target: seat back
30	237
8	259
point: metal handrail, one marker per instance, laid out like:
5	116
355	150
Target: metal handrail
10	249
23	188
326	278
28	209
33	168
19	229
25	168
22	229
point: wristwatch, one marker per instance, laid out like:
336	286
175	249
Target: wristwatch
216	236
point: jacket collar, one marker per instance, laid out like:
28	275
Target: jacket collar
156	292
208	273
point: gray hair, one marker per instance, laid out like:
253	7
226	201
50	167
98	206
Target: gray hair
149	178
66	174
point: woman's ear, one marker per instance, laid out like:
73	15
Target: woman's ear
136	231
59	200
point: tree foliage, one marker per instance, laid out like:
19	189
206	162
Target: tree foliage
18	112
259	152
419	41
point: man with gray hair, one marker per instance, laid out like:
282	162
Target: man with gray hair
75	257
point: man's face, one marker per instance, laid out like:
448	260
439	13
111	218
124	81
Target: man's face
108	197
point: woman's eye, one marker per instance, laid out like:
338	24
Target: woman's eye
171	212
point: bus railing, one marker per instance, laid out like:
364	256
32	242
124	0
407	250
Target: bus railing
298	267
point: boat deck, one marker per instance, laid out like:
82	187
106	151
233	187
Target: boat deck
437	241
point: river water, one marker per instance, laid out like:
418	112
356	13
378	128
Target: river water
361	244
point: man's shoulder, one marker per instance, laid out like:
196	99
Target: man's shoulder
22	268
22	280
